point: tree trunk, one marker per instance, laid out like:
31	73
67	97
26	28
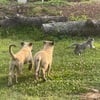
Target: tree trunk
33	21
89	27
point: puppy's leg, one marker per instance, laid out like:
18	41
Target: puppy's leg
48	70
43	74
30	64
11	75
37	66
19	69
77	51
18	72
92	46
44	69
16	77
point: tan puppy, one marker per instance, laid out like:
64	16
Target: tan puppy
18	59
43	59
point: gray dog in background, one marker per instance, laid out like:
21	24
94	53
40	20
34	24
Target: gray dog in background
80	47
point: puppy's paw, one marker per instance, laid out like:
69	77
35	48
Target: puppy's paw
93	47
16	82
9	85
44	79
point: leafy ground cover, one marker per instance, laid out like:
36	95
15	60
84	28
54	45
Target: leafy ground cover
71	75
72	10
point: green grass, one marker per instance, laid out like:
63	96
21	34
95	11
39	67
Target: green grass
71	74
4	1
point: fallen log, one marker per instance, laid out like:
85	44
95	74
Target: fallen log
88	27
32	21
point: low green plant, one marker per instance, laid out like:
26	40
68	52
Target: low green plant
78	18
4	1
55	2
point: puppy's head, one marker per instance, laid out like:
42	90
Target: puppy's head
27	44
49	43
90	39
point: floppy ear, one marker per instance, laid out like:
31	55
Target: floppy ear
30	44
22	43
52	43
44	42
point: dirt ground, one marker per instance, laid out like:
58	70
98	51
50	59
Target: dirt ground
90	10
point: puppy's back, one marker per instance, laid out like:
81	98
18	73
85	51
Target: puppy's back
41	55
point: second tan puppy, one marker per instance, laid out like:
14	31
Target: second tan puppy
43	59
18	59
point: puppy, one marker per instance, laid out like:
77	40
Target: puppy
18	59
43	59
80	47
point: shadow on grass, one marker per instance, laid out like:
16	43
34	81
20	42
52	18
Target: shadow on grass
3	81
27	79
30	79
21	79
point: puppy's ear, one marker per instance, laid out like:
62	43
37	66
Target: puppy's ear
44	42
52	43
30	44
22	43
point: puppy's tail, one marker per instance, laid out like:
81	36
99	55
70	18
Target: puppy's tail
73	45
37	64
10	50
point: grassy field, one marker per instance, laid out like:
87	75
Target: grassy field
71	74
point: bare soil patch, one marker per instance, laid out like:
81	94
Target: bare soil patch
90	10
